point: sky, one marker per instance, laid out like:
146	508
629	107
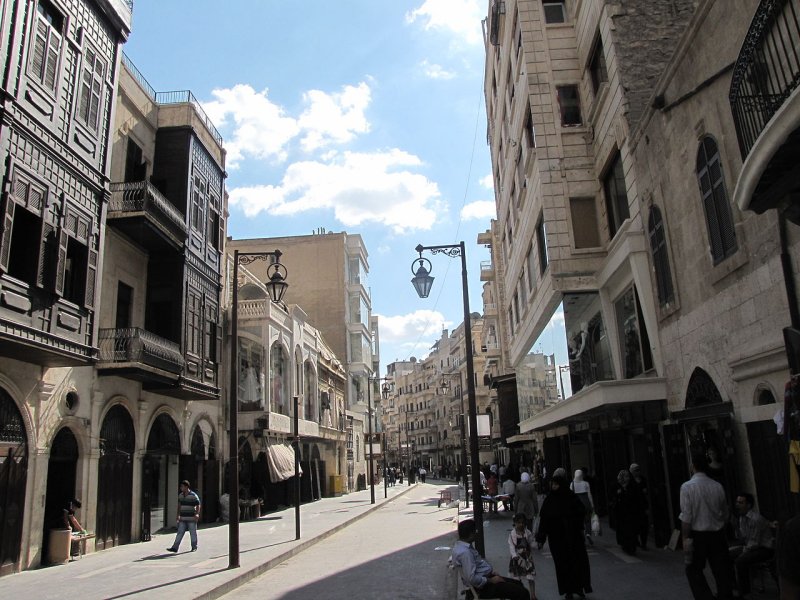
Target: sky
365	116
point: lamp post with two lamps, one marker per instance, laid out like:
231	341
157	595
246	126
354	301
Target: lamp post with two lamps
385	389
423	281
276	287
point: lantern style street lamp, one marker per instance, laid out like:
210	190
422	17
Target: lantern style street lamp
276	288
444	386
423	281
385	395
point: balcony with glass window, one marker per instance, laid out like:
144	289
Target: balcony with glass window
145	216
765	102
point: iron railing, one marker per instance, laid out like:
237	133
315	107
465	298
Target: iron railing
136	345
143	196
767	70
137	75
186	96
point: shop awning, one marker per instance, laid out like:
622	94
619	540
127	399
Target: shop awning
280	458
596	400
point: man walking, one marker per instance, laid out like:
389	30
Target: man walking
475	571
704	513
188	516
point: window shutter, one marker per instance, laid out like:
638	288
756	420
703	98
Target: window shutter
8	223
45	273
218	356
39	50
61	263
51	70
91	278
221	234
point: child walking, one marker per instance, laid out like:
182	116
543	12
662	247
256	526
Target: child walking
520	544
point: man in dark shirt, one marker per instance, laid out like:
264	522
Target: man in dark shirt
188	516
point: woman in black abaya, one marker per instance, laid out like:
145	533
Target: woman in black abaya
561	524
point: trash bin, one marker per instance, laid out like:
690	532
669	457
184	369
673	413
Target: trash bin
59	546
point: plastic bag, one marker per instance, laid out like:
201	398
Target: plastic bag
596	528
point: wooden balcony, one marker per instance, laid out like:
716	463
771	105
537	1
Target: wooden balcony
138	354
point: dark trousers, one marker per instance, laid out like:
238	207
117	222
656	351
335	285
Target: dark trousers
508	588
743	560
644	529
711	547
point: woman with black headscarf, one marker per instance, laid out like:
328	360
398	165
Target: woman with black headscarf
627	507
561	524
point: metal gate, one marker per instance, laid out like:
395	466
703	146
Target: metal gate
115	479
13	477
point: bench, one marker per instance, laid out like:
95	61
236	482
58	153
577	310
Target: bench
490	502
78	543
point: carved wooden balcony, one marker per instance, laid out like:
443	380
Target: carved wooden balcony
140	211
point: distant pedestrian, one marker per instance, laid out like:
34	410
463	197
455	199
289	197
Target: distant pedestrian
475	571
561	525
626	507
583	491
639	481
188	516
704	513
509	489
423	473
526	501
520	545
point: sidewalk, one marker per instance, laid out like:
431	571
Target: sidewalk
138	570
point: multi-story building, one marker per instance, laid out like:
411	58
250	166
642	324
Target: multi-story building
613	130
60	69
281	356
537	384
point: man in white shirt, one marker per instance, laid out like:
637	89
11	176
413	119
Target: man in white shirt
478	573
704	512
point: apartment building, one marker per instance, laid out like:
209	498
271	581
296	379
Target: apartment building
60	69
629	142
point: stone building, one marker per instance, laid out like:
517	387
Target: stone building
60	64
620	189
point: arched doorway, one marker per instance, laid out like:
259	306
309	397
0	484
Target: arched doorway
61	470
115	479
13	477
160	476
202	470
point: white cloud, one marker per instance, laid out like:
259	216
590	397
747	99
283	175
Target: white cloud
260	128
334	118
487	182
434	71
461	18
359	187
481	209
256	127
406	330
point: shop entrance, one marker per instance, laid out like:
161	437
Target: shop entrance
160	476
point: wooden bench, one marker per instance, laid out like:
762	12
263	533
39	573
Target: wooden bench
78	542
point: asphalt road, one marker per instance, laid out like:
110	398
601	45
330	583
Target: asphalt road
397	552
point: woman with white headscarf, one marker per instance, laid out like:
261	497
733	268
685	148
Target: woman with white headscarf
584	493
525	500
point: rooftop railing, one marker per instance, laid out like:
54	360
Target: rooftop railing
767	70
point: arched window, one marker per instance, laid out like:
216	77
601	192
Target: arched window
279	380
721	233
658	246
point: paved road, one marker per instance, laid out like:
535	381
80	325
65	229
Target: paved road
399	551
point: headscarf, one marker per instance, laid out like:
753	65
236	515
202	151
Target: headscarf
623	477
525	478
578	475
560	472
634	467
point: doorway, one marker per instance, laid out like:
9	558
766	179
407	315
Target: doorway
61	474
115	479
160	476
13	477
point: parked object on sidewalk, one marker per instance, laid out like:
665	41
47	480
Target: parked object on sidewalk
561	525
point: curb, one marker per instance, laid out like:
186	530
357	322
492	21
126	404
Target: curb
253	572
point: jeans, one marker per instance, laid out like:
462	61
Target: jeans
710	546
182	527
743	560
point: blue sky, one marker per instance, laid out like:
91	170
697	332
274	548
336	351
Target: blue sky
362	116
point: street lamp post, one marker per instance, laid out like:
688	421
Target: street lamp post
385	389
276	288
445	385
423	282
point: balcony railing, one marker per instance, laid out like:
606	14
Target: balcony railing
142	196
767	70
185	96
135	345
